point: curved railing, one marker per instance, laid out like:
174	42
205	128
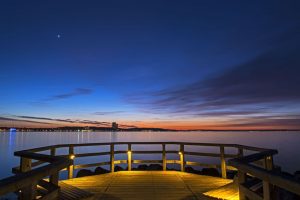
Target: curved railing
48	163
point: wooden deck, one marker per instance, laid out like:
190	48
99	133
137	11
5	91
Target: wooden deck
144	185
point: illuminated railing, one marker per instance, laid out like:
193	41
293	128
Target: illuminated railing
30	175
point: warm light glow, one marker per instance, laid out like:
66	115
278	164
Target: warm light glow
180	153
129	152
72	156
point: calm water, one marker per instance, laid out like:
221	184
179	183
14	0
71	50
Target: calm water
287	143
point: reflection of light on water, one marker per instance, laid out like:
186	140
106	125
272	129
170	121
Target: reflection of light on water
114	136
10	142
12	134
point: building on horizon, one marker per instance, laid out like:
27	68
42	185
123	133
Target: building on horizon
114	126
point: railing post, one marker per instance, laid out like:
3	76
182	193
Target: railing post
28	192
267	190
181	154
223	162
268	163
54	177
241	152
164	157
267	187
112	158
129	153
241	180
52	151
71	167
25	164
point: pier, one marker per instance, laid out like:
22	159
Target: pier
256	177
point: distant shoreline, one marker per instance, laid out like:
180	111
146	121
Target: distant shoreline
106	129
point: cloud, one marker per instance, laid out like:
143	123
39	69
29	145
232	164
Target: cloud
53	121
76	92
66	120
108	113
258	86
277	121
21	120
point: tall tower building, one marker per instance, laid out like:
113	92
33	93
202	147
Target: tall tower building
114	126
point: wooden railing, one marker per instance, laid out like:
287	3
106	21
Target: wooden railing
27	180
249	173
30	175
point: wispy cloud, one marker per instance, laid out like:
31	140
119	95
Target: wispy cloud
76	92
55	121
108	113
267	82
66	120
21	120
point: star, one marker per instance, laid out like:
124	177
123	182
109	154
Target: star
58	36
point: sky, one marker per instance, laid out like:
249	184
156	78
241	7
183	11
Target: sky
169	64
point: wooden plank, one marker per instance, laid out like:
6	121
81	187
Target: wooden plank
223	162
70	192
181	155
92	154
164	157
241	181
51	195
121	161
136	185
112	158
146	161
71	167
129	157
91	165
228	191
249	193
202	164
173	162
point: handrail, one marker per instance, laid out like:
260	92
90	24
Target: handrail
22	181
266	175
29	178
44	148
254	157
9	184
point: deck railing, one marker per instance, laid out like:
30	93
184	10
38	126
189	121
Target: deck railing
48	163
269	177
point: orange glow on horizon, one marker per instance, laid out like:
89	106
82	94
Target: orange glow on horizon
175	125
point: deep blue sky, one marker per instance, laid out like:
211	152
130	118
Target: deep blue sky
195	64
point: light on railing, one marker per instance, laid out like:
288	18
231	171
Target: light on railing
72	156
129	152
180	153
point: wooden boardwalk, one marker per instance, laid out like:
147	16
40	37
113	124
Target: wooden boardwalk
146	185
